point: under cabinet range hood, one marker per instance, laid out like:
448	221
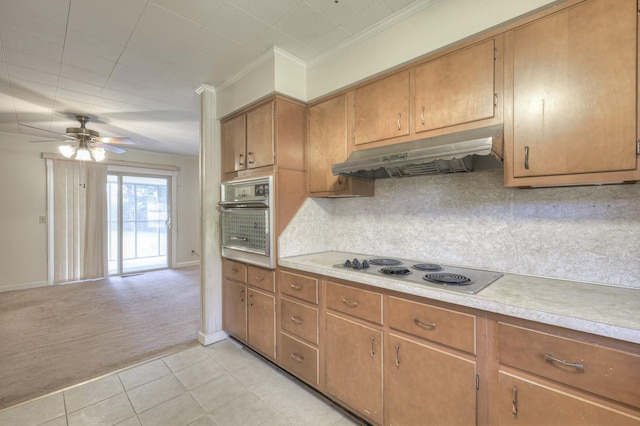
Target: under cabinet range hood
449	153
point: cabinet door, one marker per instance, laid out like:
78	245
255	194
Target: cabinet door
233	143
262	322
353	357
457	88
234	309
382	109
524	402
427	385
328	144
574	91
260	136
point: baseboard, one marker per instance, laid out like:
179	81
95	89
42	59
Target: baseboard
23	286
188	264
208	339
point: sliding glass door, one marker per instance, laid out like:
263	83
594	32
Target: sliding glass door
138	222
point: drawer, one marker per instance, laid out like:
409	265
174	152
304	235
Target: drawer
299	320
234	270
450	328
603	371
261	278
354	301
299	358
299	286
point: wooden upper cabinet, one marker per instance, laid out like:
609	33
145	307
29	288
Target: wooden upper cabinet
233	144
328	143
260	131
456	88
574	95
381	109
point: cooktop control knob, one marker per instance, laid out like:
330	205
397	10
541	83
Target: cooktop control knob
365	264
356	264
347	264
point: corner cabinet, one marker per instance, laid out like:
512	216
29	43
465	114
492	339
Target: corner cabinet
573	94
328	143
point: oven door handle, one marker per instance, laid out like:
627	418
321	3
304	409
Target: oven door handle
234	238
243	205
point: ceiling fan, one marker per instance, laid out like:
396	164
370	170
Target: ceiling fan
90	146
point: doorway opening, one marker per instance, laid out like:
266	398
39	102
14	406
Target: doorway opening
139	222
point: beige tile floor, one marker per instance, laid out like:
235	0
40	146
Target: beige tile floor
221	384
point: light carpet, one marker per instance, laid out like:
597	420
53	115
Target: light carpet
57	336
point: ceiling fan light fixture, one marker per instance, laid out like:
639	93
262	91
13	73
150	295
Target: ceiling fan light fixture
67	150
83	154
97	153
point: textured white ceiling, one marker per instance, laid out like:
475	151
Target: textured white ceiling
133	66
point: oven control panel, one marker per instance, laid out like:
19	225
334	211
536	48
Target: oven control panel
246	190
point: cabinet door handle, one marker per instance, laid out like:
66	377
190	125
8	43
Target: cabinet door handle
251	300
373	347
350	302
514	401
250	157
240	162
296	320
399	117
429	325
578	366
297	357
422	116
526	157
295	287
398	355
242	295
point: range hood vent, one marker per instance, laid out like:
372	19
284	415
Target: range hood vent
450	153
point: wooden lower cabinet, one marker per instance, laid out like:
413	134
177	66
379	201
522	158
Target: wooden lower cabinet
353	366
261	322
234	314
525	402
427	385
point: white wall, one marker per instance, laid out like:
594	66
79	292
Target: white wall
23	240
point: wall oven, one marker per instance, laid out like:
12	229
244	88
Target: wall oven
246	209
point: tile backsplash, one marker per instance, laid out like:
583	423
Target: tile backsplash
588	233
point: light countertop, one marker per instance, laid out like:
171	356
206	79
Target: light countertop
598	309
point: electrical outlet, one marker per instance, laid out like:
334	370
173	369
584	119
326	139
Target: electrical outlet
42	219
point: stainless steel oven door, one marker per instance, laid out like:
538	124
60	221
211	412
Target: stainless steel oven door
246	235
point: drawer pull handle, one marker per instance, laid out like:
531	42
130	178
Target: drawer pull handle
578	366
526	157
350	302
399	117
234	270
259	278
373	347
422	116
429	325
297	357
514	401
397	355
297	320
295	287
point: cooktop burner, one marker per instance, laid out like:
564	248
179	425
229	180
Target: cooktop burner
395	270
384	262
464	280
427	267
453	279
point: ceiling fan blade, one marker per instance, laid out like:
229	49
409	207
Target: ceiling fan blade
50	140
117	141
114	149
49	131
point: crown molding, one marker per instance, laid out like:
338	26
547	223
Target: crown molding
288	57
206	88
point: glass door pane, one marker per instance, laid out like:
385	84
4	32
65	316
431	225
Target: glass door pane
113	220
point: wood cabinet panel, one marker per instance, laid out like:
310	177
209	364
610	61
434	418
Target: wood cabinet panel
234	270
299	358
450	328
457	88
261	278
261	322
353	357
426	385
260	135
575	91
234	314
299	320
381	109
603	371
526	402
233	145
359	303
299	286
